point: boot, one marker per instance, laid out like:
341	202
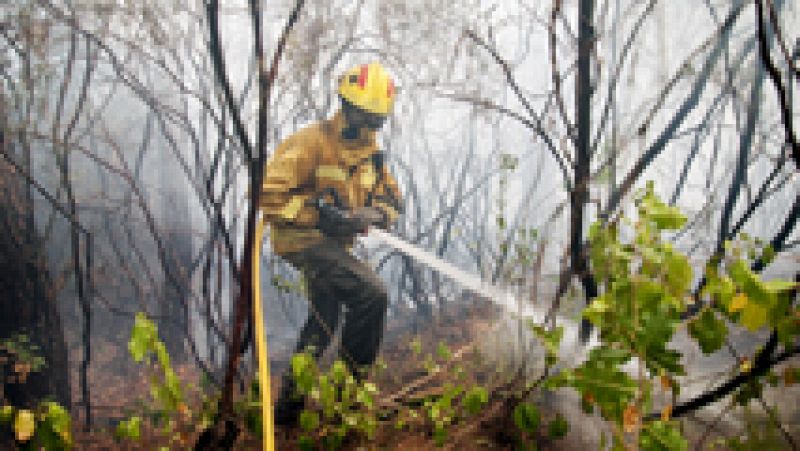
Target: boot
289	404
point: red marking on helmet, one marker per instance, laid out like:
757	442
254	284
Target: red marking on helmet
362	77
390	89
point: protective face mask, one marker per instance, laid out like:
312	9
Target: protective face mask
350	132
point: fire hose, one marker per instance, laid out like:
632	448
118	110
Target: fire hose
268	425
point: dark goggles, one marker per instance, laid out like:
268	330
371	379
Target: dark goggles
358	118
372	121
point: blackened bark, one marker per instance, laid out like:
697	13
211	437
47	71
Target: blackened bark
579	197
27	302
774	75
223	433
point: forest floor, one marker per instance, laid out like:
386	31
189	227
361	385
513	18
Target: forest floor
120	389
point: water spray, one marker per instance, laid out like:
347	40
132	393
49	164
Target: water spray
571	344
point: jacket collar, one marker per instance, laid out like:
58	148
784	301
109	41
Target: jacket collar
335	125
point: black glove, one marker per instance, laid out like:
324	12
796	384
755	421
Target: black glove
336	222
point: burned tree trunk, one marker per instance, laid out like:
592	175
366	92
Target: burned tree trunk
29	316
579	197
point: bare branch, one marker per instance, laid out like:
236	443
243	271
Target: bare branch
775	77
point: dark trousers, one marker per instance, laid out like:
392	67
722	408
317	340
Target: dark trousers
336	279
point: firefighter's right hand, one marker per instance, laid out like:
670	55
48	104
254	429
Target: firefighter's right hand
336	222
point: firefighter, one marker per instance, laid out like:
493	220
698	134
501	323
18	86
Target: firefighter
324	185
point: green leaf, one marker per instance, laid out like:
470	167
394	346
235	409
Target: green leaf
551	339
173	386
339	372
364	396
370	388
754	316
327	396
768	255
6	414
137	348
129	429
678	273
609	258
788	327
161	353
772	379
309	420
658	358
558	428
720	289
748	392
59	421
526	417
161	395
416	345
737	303
439	435
708	331
369	425
668	218
597	309
24	425
662	436
442	351
749	283
143	335
252	419
601	379
303	369
305	443
475	399
779	285
662	215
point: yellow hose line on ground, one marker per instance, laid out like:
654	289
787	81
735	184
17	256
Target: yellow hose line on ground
268	426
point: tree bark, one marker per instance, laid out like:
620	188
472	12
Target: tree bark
579	197
27	302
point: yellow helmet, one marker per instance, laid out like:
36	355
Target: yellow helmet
368	87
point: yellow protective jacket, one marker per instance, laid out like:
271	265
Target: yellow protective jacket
313	161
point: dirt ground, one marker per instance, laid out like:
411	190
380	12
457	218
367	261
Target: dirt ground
471	332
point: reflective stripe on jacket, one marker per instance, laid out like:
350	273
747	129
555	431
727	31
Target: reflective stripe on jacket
312	161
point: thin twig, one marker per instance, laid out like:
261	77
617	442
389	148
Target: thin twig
775	77
524	101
